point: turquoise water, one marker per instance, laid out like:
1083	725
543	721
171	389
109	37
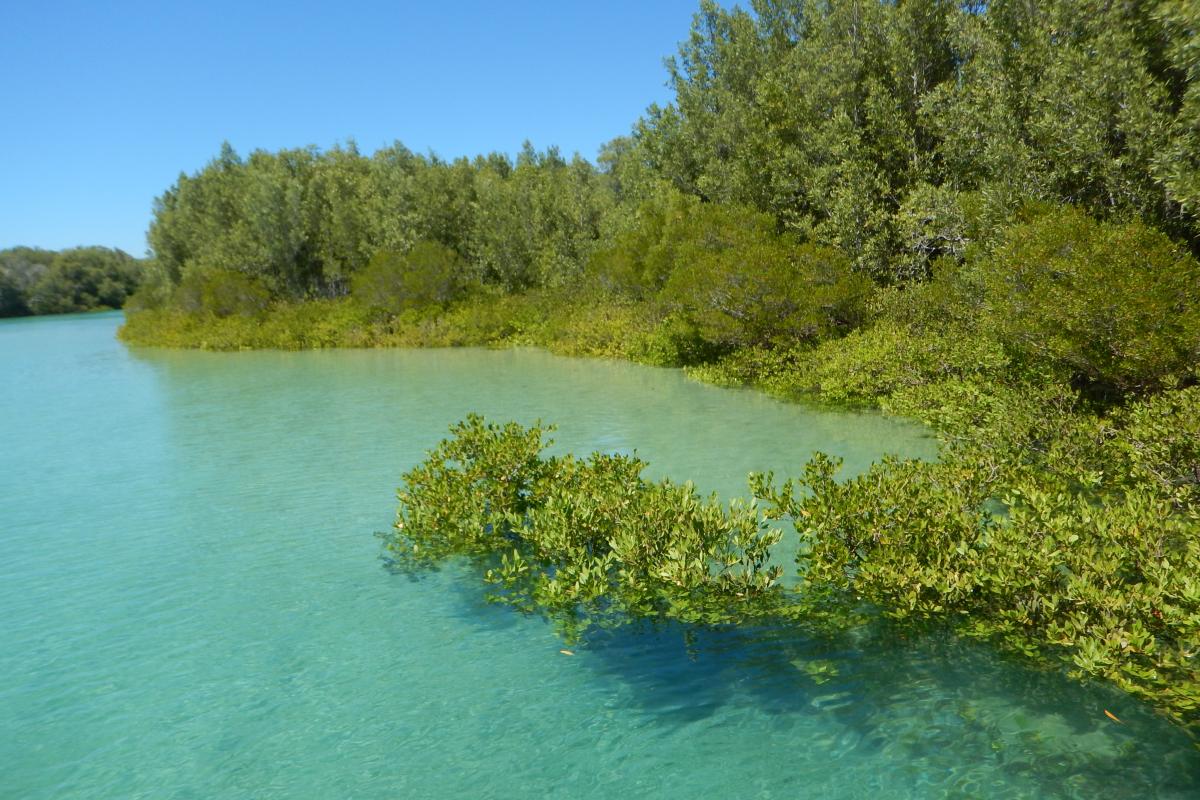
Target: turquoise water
194	606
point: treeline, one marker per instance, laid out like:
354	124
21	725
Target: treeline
35	281
824	166
983	215
898	133
302	223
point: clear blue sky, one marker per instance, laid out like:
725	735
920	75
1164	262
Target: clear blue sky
104	104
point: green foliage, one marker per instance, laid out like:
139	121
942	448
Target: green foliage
1159	445
287	326
12	299
666	234
80	279
306	222
919	335
1114	307
20	269
808	111
535	223
1090	556
605	326
582	541
724	272
222	293
430	274
1178	165
673	342
242	215
154	292
1064	536
884	128
886	358
767	293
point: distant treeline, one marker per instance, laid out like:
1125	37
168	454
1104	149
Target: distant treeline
35	281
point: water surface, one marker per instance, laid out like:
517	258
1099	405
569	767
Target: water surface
193	604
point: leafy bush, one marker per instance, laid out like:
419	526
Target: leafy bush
583	541
674	341
1106	582
605	326
727	273
933	223
873	364
921	334
155	291
223	293
768	293
12	299
1114	307
1058	533
1020	536
20	269
668	233
287	326
430	274
1159	444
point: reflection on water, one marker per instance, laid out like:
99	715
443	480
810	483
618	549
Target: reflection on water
194	605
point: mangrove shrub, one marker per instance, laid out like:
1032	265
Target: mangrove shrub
223	293
1114	307
582	540
769	292
1065	537
430	274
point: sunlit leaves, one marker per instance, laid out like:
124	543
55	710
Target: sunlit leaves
585	541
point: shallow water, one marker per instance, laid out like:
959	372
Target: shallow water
194	607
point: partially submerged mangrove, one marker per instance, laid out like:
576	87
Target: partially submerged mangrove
1036	550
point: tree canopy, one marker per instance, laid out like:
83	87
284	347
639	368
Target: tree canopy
34	281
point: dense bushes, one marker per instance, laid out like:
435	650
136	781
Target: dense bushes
1114	307
709	280
430	274
1111	307
873	364
20	269
585	541
568	325
222	293
1093	559
769	293
891	129
668	233
80	279
1086	563
726	272
306	222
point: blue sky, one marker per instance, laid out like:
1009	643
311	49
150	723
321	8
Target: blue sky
104	104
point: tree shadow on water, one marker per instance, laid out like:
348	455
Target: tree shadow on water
925	703
931	702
